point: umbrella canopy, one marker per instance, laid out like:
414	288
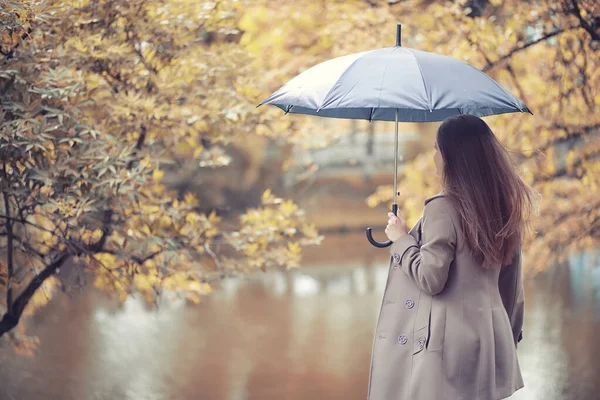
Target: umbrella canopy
372	85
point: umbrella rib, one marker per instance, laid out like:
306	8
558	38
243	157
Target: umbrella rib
422	79
382	80
323	103
348	92
516	103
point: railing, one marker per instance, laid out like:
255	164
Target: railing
353	153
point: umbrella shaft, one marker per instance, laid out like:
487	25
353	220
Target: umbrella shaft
396	160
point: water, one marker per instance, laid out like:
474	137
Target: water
306	334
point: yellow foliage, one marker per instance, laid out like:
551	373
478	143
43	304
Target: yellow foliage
251	249
157	175
294	248
107	260
288	208
190	199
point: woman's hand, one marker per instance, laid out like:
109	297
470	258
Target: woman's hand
396	227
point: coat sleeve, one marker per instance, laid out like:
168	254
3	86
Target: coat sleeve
510	284
428	265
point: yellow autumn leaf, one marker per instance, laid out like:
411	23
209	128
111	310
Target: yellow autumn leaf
294	248
157	175
199	287
107	260
288	207
267	196
211	232
213	218
201	126
198	150
251	249
193	297
310	231
190	199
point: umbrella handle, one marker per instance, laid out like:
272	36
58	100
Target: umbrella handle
374	242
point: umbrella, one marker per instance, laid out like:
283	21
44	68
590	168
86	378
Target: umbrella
394	84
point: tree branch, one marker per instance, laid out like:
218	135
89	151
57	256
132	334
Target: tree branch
27	248
138	260
508	55
106	232
9	250
10	53
141	140
149	257
571	135
25	222
13	314
564	171
566	216
508	67
511	71
584	24
213	255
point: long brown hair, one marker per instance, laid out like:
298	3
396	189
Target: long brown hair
481	181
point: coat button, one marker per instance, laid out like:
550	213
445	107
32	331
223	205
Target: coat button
402	339
409	303
421	343
396	258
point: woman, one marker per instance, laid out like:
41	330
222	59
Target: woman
452	311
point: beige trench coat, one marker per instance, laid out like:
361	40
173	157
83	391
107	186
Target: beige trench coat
448	329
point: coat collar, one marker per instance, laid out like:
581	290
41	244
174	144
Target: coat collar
441	194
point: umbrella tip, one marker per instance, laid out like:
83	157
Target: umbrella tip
399	35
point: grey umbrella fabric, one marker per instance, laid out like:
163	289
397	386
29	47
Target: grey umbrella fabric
372	85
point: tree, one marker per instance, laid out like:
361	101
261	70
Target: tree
97	100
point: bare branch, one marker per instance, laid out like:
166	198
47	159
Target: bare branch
564	171
13	314
25	222
527	45
106	231
575	10
138	145
508	67
9	250
572	134
513	75
27	248
136	259
213	255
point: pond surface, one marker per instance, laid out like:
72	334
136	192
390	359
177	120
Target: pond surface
304	334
